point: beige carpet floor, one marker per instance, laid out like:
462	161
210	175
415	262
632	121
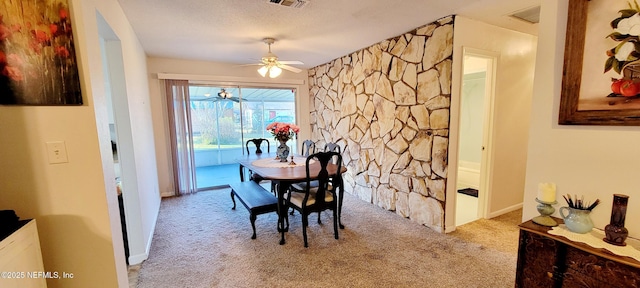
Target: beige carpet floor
500	233
200	242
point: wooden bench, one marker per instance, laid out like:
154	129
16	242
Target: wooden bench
255	198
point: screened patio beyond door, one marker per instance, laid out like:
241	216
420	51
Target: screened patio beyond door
224	118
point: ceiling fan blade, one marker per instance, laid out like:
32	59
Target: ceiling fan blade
253	64
234	99
287	67
294	62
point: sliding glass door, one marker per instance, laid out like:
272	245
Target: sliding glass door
224	118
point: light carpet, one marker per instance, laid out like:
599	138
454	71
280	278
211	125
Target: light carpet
200	242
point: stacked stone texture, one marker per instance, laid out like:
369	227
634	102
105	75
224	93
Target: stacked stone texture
387	106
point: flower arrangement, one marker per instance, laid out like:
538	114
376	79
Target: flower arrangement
283	131
626	30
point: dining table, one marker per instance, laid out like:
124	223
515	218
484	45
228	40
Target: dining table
267	167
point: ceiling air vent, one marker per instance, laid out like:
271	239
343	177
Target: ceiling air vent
531	15
291	3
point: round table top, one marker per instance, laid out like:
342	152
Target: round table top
275	163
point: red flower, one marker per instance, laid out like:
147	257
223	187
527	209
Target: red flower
37	48
62	51
12	72
3	58
63	13
40	36
14	60
283	131
4	32
53	28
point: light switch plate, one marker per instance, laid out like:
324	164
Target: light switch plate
57	152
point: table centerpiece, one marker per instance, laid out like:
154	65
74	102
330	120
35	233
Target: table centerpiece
282	132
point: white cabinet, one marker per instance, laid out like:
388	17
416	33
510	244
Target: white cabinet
21	258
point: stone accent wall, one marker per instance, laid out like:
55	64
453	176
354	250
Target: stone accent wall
387	106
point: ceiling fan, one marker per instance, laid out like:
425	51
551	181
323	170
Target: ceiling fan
272	66
222	95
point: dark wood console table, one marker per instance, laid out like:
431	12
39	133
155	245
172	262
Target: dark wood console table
546	260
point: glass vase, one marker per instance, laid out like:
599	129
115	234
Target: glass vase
283	151
615	232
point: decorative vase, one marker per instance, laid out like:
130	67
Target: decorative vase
615	232
283	151
577	220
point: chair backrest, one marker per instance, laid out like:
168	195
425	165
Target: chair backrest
332	147
324	179
308	147
258	143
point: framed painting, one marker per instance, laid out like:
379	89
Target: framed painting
37	56
601	74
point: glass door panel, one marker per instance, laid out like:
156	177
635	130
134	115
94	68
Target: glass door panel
224	118
263	106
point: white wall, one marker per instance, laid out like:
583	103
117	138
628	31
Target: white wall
472	112
471	117
75	203
594	161
513	97
227	73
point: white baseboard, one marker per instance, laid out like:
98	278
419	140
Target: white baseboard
505	210
138	258
449	229
468	175
167	194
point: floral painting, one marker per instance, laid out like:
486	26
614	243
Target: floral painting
37	55
611	41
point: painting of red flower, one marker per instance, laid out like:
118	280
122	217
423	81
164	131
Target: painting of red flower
38	63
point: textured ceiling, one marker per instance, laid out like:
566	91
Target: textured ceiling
231	31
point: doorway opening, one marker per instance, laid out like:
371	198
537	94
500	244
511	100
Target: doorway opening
476	114
224	117
121	140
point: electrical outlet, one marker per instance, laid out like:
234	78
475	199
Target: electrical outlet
57	152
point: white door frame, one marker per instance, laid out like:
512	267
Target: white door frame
113	63
486	168
486	163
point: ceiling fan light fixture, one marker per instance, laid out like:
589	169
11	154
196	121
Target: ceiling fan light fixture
270	65
263	71
274	71
224	94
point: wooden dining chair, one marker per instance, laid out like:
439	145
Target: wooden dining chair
257	142
299	187
308	148
333	147
320	198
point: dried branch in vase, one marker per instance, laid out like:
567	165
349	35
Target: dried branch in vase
576	203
